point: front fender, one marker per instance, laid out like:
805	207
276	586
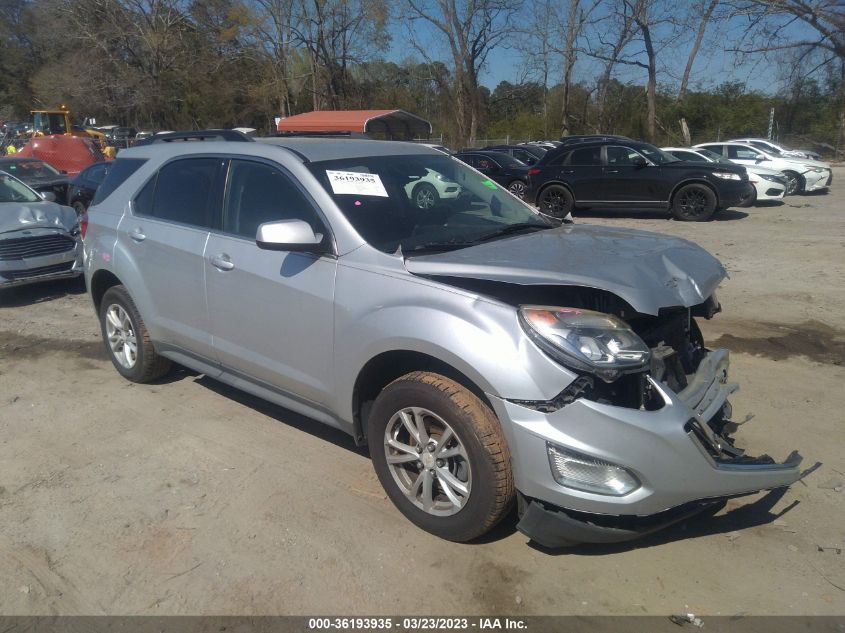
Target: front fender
480	338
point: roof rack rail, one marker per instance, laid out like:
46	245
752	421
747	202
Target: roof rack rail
197	135
321	134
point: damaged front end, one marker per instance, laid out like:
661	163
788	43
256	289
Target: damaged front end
633	450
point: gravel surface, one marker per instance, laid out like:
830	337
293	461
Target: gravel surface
187	497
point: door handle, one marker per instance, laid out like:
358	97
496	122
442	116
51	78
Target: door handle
222	262
568	172
137	235
611	171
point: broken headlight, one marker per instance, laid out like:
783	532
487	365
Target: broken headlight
583	340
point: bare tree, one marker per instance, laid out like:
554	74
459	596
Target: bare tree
471	29
771	29
576	17
705	17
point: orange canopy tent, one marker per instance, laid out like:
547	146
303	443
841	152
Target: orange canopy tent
390	124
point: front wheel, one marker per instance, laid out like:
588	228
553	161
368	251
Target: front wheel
794	182
441	456
694	203
556	201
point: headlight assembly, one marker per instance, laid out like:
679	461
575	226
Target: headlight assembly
726	175
771	178
583	340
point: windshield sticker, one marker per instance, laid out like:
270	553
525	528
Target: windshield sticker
489	184
356	183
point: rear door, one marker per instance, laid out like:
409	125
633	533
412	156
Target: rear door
582	171
271	312
166	235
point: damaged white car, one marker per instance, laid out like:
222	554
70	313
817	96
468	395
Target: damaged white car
39	239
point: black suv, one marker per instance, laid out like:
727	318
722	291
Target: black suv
631	175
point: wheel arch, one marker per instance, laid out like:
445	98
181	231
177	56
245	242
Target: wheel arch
386	367
694	181
101	281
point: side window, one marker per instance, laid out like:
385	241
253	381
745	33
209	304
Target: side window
742	153
115	174
470	159
97	173
486	163
258	193
715	148
143	202
587	156
617	155
184	192
689	156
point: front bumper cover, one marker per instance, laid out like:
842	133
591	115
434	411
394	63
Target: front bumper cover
684	466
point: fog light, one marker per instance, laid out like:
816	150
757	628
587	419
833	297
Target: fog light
582	472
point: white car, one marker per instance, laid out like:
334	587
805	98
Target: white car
770	146
426	191
769	184
802	174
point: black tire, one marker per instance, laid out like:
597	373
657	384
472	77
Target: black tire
556	201
475	427
795	182
694	203
148	365
425	196
517	188
751	200
79	208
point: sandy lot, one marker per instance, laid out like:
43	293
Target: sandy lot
188	497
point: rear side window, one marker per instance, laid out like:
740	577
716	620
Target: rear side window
715	148
183	191
586	156
259	193
742	153
120	170
689	156
97	173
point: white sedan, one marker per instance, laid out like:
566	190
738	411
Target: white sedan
769	184
774	148
802	174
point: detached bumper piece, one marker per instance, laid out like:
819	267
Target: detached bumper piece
555	528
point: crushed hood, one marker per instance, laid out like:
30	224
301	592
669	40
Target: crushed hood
647	270
19	216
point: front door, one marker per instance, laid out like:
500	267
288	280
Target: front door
271	312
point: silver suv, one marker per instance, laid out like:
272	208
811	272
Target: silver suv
488	355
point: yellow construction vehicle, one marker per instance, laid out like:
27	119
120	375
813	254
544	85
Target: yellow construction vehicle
46	122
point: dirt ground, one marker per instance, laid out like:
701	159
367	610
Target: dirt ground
187	497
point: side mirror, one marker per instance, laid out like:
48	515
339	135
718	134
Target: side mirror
288	235
640	162
48	196
760	159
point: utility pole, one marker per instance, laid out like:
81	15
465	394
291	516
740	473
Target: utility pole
771	123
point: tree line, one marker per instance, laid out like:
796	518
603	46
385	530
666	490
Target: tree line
630	67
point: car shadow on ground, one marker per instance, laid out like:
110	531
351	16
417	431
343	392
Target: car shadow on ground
748	515
727	214
276	412
16	297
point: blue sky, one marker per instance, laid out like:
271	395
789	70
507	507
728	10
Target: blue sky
714	65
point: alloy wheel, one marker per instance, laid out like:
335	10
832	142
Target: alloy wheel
428	461
425	198
693	203
121	336
517	188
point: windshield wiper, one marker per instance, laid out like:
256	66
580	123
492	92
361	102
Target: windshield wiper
437	246
510	229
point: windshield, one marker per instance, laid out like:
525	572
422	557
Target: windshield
716	158
13	190
766	148
423	202
31	170
655	155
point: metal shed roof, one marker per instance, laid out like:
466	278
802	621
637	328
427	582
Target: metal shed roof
391	124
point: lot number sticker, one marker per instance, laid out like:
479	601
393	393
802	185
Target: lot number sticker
356	183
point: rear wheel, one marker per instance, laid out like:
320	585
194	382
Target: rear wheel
517	188
694	203
425	196
556	201
127	340
440	454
